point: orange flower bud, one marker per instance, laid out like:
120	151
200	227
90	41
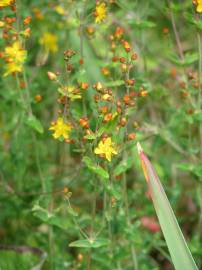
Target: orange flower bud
133	94
52	76
143	93
165	30
69	67
88	132
105	71
81	61
184	94
122	59
65	190
130	82
104	109
134	56
126	46
124	67
96	98
131	136
80	257
173	72
123	121
90	30
119	32
27	32
115	59
1	54
27	20
118	109
22	84
38	98
13	7
126	99
190	111
84	85
108	117
84	122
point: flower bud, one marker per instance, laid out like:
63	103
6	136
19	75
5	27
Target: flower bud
52	76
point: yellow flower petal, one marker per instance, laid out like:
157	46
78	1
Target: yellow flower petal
49	41
100	12
106	148
61	129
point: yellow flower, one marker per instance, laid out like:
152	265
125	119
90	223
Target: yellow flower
100	12
4	3
2	24
60	10
106	148
15	52
16	57
49	41
199	6
71	92
61	129
11	68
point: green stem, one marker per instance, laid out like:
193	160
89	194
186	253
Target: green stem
199	189
200	88
177	38
125	195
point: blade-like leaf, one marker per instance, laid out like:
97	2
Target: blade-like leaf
96	243
179	251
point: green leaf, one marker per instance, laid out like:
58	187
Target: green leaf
47	217
95	168
115	83
195	169
191	19
34	123
189	59
91	243
95	135
142	24
71	211
123	166
198	116
179	251
185	166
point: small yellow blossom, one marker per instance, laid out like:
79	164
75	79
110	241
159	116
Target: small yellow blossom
100	12
106	148
199	6
2	24
16	57
49	41
61	129
60	10
11	68
4	3
15	52
71	92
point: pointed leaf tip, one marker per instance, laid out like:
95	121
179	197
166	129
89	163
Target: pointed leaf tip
139	148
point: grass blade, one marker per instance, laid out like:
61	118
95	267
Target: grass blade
179	251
